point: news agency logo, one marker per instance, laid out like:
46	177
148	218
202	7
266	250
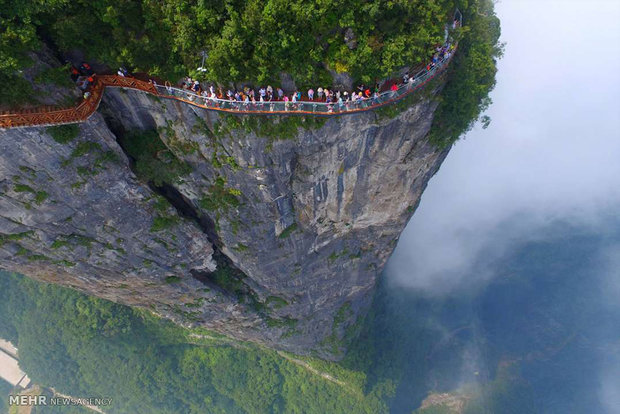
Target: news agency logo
27	400
44	400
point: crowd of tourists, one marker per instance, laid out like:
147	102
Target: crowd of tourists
248	97
84	76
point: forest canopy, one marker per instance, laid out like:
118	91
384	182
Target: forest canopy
245	39
257	41
84	346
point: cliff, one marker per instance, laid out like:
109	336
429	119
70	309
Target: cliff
268	229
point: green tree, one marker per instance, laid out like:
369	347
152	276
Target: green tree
471	77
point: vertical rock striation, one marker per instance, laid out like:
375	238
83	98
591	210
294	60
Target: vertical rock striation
277	235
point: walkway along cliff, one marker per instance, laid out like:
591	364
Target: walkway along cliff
83	111
268	229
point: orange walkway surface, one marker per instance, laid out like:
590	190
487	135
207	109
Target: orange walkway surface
81	112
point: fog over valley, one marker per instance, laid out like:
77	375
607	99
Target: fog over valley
168	250
522	218
550	153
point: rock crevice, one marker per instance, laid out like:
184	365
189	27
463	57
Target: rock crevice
275	234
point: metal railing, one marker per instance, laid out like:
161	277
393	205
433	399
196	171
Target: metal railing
83	111
305	107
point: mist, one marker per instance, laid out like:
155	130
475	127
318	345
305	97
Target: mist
550	153
544	177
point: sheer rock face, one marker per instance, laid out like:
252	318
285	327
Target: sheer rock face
318	216
75	214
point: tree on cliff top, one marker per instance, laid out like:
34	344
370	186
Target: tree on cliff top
471	76
246	39
257	40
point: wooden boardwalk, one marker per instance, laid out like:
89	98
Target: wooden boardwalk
83	111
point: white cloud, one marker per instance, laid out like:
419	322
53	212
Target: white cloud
551	153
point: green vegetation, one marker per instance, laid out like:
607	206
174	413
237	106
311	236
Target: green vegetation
333	343
164	222
160	204
240	247
257	40
178	145
154	162
471	76
281	323
22	188
85	148
173	279
288	231
336	255
107	156
273	127
16	90
343	314
276	302
353	379
55	76
34	257
72	241
229	280
424	92
86	346
27	170
4	238
65	263
220	197
67	133
39	196
22	251
246	39
5	389
64	133
81	240
410	345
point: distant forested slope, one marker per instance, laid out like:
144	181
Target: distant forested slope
85	346
535	340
